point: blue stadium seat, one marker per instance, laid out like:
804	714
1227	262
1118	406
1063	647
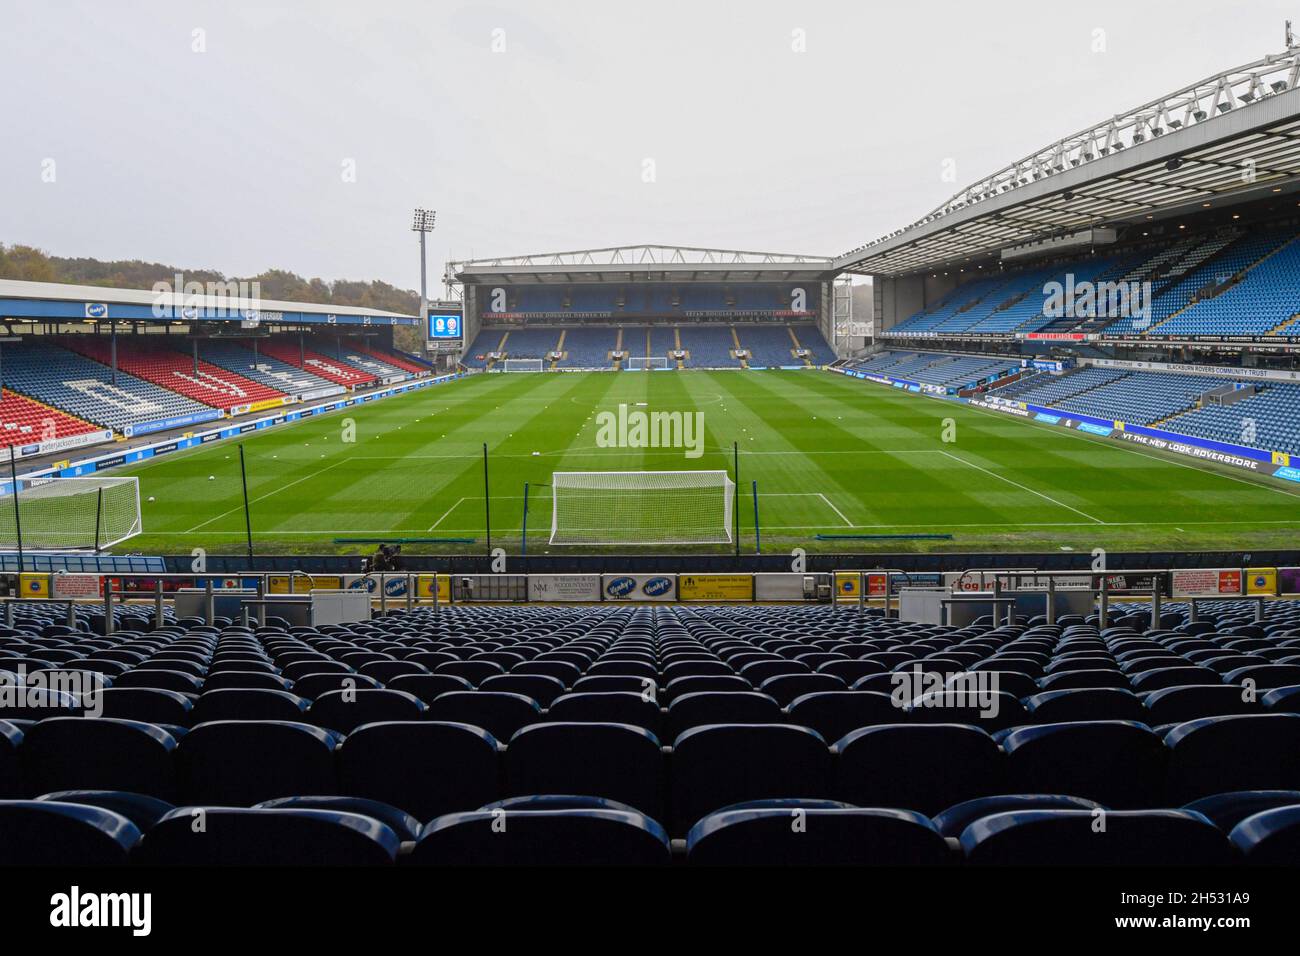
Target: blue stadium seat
405	826
74	753
11	780
242	762
833	714
248	705
622	762
425	768
543	838
954	821
1240	752
698	708
816	837
150	705
1118	763
46	833
266	837
497	713
1226	810
619	707
1096	838
922	767
720	764
142	810
345	711
1270	838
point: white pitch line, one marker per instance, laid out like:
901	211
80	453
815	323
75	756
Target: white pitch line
847	522
1023	487
1124	446
445	513
804	527
274	491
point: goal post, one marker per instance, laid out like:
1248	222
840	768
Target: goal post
69	514
645	362
522	365
641	507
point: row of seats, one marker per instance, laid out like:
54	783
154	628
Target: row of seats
107	828
427	767
202	381
26	422
1252	272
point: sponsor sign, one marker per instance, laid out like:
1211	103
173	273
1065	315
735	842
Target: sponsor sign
1261	581
1192	451
1206	582
1288	580
848	587
316	393
1118	583
716	587
65	443
76	586
34	585
564	587
163	424
1216	371
1092	429
638	587
303	584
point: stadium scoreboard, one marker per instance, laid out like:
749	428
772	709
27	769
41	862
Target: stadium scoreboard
443	325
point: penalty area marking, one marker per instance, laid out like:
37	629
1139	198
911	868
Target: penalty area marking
1022	487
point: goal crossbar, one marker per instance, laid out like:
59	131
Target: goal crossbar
641	507
523	365
69	514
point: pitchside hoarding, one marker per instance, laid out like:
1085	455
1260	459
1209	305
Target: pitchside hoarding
638	587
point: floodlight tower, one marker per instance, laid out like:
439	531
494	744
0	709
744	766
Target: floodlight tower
422	222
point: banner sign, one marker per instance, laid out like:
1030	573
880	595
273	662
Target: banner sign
1206	582
716	587
638	587
1261	581
564	587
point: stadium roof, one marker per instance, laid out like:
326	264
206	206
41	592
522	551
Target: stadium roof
1229	138
642	264
52	301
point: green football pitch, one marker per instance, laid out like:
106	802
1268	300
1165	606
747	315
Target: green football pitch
832	456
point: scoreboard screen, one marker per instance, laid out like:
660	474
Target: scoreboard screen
442	326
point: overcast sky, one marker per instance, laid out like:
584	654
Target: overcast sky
241	135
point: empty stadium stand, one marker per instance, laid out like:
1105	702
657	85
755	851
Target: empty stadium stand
259	367
300	355
939	369
754	712
346	351
24	421
1225	282
175	371
85	388
584	346
708	346
1268	419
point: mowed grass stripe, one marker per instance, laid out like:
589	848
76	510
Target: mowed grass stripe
874	452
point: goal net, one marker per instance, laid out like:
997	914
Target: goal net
58	514
641	507
645	362
522	365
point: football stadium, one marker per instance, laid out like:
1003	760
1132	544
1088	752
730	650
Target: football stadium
971	546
